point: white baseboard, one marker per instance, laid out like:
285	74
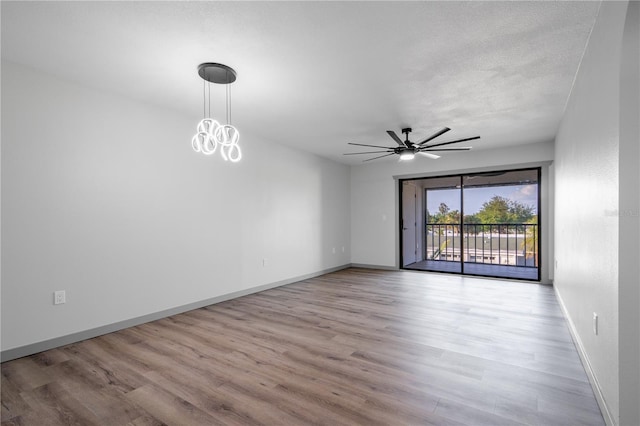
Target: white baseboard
368	266
593	380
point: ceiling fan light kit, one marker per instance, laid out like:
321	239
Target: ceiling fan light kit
407	150
407	155
210	133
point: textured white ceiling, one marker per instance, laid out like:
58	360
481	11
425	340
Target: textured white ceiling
316	75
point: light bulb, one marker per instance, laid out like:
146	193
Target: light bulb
407	155
233	153
209	144
196	143
210	134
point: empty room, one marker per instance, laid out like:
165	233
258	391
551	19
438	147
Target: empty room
340	213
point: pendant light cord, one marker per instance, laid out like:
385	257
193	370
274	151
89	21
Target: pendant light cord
206	99
228	103
228	99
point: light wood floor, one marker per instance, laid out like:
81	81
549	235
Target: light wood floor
352	347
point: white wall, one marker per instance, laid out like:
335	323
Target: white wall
597	238
629	243
374	220
104	197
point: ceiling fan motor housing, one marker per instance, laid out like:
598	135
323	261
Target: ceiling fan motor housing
401	149
407	142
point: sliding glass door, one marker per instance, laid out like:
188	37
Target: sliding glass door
479	224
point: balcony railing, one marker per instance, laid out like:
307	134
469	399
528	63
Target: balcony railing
496	243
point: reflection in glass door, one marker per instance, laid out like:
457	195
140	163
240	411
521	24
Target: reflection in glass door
481	224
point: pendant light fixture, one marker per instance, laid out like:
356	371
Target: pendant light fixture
210	133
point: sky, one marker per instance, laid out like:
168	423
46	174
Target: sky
474	197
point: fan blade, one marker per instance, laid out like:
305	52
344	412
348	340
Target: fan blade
427	154
435	135
461	148
449	143
372	146
374	158
395	138
366	152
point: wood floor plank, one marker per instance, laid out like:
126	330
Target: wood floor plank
469	415
25	374
118	375
13	405
236	409
89	386
146	420
169	408
52	404
49	358
357	346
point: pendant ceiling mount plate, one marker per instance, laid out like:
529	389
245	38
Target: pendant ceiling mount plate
216	73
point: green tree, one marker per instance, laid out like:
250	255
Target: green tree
452	217
445	215
503	210
471	219
522	213
441	216
494	211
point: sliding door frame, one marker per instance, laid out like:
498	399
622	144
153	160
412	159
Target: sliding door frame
461	175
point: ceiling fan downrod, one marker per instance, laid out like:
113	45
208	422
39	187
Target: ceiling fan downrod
406	132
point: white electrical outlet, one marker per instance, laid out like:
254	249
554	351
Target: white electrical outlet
59	297
595	323
343	249
264	262
333	250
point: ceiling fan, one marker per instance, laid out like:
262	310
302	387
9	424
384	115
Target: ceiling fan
407	149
